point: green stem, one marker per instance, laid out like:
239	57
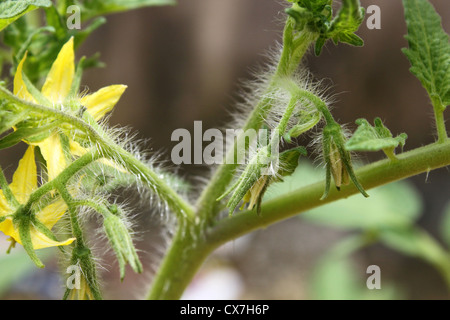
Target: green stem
294	48
81	253
63	177
385	171
439	118
189	249
153	180
174	275
111	150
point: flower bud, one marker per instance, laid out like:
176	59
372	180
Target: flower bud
338	170
337	159
121	242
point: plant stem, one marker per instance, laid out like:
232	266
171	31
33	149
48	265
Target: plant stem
294	48
187	253
185	256
439	118
385	171
111	150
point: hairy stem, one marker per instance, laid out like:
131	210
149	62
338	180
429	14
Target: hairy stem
186	254
385	171
294	48
114	152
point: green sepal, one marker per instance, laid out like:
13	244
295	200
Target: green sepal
22	219
337	160
40	98
28	133
75	88
9	196
248	178
10	115
374	138
44	230
289	161
253	180
305	123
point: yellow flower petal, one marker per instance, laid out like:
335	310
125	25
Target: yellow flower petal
4	207
49	216
38	239
101	102
52	213
76	149
7	227
20	89
59	79
24	180
53	154
41	241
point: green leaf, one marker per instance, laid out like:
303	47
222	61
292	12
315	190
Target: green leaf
289	160
429	49
11	10
343	26
369	138
94	8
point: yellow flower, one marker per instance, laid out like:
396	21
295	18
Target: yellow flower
56	90
24	182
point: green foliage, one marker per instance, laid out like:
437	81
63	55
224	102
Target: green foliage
11	10
44	42
374	138
429	49
93	160
318	17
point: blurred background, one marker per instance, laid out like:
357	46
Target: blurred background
185	63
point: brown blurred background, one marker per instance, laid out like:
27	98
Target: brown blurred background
183	63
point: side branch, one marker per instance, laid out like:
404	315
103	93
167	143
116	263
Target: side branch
410	163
